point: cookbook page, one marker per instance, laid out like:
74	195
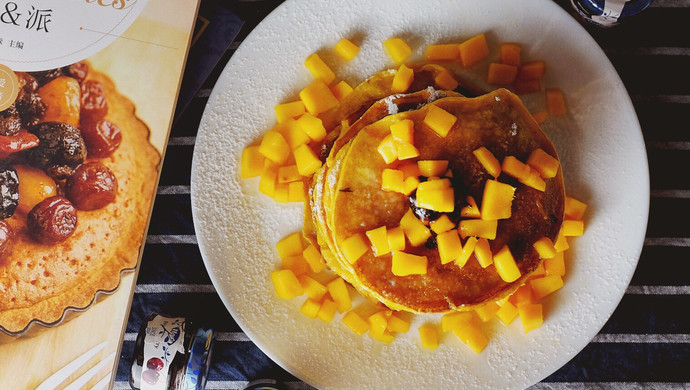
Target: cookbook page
87	95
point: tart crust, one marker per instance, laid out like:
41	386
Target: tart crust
41	283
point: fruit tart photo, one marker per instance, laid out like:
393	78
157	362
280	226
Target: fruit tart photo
77	176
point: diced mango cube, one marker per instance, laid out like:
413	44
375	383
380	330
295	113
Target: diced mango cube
396	239
510	53
310	308
296	191
542	287
443	52
532	70
297	264
442	224
505	265
403	79
280	192
337	289
540	117
307	161
449	246
417	233
545	248
574	209
561	243
473	50
386	337
482	251
534	180
430	168
314	259
410	169
410	185
379	240
555	102
471	210
515	168
408	264
403	131
428	336
487	311
455	319
446	80
397	49
274	147
435	183
392	180
269	178
467	251
318	98
507	312
354	247
378	322
488	161
312	288
406	151
531	316
288	173
478	228
472	336
497	200
501	74
555	265
356	323
543	163
290	245
439	120
289	110
346	49
388	149
312	126
397	324
293	133
572	228
286	284
522	295
252	162
319	69
341	89
326	311
437	199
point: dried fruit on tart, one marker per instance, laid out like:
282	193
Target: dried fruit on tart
77	173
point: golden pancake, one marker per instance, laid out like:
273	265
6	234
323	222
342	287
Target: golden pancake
39	282
378	110
351	201
370	101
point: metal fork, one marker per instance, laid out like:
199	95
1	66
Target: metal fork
65	372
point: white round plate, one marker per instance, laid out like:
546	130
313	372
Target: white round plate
600	146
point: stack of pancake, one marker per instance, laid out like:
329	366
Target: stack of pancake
346	195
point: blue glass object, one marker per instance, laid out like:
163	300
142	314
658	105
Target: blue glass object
609	12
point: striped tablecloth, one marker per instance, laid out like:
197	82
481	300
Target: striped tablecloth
645	344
